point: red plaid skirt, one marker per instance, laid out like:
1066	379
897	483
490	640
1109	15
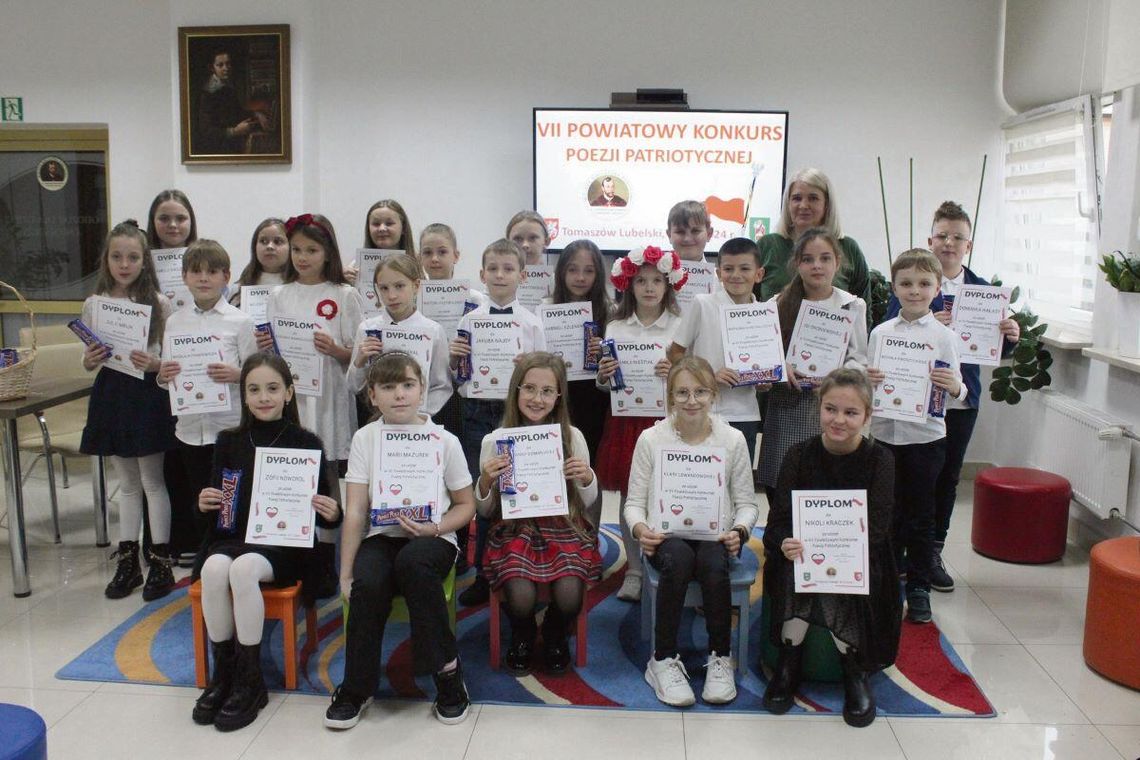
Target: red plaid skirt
541	550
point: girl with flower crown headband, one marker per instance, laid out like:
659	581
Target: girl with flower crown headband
648	279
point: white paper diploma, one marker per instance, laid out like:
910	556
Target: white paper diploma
644	393
819	341
562	324
833	528
750	337
125	327
407	469
367	259
168	267
702	281
281	507
295	342
689	485
192	391
537	285
443	301
977	311
495	342
904	393
539	483
255	302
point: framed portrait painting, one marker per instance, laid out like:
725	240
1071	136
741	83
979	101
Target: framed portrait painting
234	94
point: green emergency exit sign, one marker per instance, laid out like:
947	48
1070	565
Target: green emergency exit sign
11	109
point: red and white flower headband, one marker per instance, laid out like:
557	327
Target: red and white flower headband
668	264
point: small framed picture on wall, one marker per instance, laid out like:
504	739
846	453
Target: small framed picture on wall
234	94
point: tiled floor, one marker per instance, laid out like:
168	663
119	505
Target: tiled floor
1018	628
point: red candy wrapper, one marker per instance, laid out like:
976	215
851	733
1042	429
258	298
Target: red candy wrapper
507	477
231	482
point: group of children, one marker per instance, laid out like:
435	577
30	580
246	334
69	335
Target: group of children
811	439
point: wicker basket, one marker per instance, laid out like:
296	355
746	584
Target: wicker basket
14	380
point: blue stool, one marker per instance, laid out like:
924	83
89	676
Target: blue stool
742	574
23	734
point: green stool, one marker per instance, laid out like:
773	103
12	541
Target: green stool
821	658
400	607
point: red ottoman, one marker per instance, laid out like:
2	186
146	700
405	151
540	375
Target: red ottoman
1020	515
1112	613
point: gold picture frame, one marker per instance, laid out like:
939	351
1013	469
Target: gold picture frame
234	94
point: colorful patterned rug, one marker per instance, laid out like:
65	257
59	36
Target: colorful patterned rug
154	646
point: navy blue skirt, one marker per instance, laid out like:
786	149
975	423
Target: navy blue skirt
128	417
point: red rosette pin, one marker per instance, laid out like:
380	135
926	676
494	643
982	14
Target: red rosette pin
327	308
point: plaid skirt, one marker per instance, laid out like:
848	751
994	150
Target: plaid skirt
540	550
792	416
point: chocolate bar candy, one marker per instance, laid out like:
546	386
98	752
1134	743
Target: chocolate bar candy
507	476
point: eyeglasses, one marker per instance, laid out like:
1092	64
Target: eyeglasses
700	394
533	391
956	239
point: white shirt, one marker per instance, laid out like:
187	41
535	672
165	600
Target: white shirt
929	330
533	336
662	330
738	505
362	456
700	335
856	357
439	388
238	343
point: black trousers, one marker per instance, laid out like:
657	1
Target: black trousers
680	561
917	466
384	568
187	470
959	429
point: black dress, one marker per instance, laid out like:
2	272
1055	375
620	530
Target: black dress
870	624
127	417
234	450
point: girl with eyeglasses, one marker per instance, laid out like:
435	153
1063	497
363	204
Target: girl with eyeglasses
559	551
690	393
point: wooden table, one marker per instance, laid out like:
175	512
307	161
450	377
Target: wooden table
42	395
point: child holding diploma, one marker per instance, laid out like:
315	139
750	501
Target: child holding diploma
690	394
268	257
919	445
792	414
559	551
738	268
950	240
501	272
865	628
232	570
386	227
647	313
206	271
382	557
170	221
528	230
128	418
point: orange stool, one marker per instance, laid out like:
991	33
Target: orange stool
543	596
280	604
1112	615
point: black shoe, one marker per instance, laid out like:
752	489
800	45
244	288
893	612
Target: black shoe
451	700
128	574
461	563
781	692
556	656
858	701
159	576
518	656
221	683
248	695
346	709
940	580
479	592
918	606
329	577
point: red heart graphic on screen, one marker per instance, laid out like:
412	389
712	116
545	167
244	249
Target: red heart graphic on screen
744	357
271	511
676	509
521	487
818	558
805	355
395	488
888	389
484	369
187	386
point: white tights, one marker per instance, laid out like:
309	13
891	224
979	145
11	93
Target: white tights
795	629
139	475
231	596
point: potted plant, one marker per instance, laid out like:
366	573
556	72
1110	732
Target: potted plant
1031	359
1123	273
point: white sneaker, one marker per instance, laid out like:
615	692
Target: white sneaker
670	681
630	590
720	681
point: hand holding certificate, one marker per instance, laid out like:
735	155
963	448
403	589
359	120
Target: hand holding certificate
192	391
168	268
644	392
294	338
539	483
905	363
819	341
407	467
123	327
832	526
753	347
281	506
689	487
562	324
495	342
977	311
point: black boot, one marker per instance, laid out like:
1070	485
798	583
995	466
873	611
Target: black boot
781	691
248	695
858	701
159	576
221	683
326	555
128	574
555	647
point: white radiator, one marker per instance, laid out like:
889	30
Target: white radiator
1084	445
